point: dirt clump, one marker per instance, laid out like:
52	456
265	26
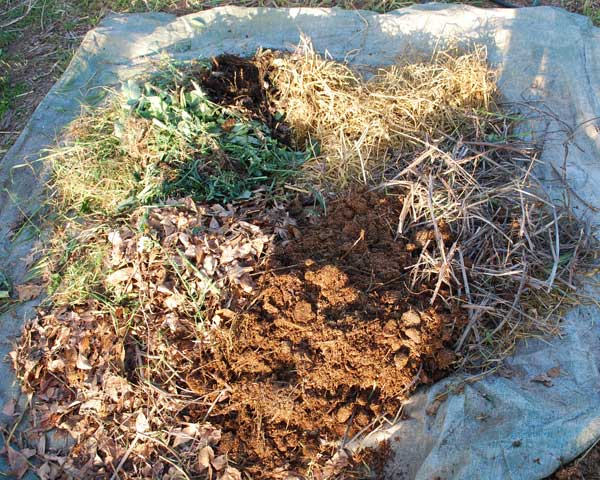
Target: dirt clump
334	340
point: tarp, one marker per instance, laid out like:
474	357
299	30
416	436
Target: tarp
504	425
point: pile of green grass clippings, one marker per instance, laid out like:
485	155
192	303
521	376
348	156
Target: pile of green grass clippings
163	139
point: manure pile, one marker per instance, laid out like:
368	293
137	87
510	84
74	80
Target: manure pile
255	261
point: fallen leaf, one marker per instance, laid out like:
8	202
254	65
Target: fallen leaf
209	264
553	372
17	461
115	238
115	387
219	462
184	435
172	321
141	423
205	456
28	291
83	363
209	434
174	301
120	276
56	365
184	238
225	313
247	283
231	473
93	404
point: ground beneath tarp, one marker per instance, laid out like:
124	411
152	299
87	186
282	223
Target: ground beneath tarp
543	54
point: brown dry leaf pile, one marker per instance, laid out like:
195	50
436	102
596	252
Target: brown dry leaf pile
111	372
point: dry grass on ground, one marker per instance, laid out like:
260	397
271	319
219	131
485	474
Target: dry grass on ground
366	129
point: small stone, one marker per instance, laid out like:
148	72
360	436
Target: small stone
390	326
286	347
413	334
516	443
400	360
411	318
303	312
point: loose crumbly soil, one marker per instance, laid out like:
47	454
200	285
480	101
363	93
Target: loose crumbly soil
335	339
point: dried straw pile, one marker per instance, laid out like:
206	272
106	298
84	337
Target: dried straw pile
365	128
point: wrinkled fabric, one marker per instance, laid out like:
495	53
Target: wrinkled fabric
548	61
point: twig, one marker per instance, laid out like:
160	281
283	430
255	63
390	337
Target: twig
516	301
500	146
124	458
438	236
360	238
18	19
555	252
471	324
138	435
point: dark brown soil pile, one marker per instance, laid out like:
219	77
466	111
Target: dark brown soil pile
335	339
245	84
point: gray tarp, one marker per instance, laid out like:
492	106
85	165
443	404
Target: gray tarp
499	427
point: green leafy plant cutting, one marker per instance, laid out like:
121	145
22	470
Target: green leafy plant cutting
208	152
